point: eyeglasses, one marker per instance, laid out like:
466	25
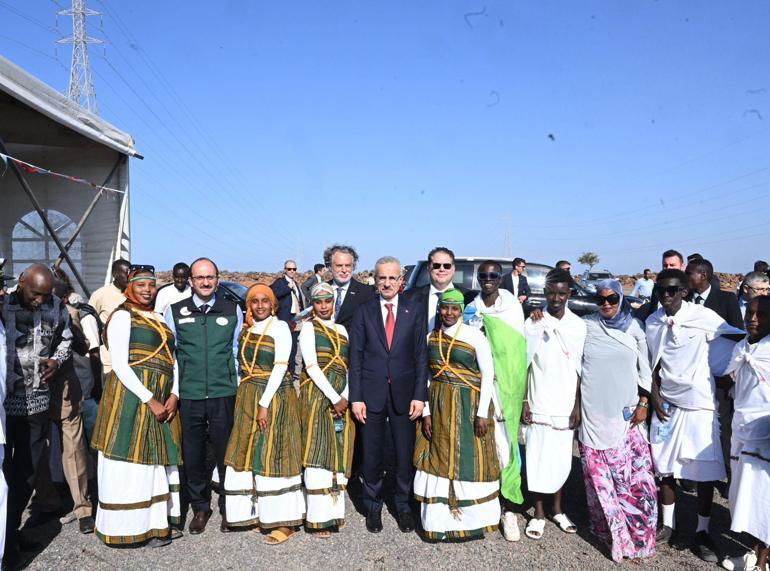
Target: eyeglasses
489	276
290	269
437	266
141	268
763	290
205	278
613	299
670	291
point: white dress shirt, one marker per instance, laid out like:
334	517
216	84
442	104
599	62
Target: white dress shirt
337	292
384	309
433	304
703	295
169	295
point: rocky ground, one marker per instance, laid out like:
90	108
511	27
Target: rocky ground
355	548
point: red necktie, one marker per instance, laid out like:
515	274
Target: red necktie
390	324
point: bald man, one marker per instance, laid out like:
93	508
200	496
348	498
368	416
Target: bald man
38	342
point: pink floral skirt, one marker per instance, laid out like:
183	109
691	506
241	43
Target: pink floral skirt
622	497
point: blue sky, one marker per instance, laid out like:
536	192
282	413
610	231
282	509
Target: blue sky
271	130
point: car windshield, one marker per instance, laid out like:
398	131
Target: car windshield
236	288
599	276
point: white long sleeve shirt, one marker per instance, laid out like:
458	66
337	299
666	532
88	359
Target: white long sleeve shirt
118	338
308	349
281	335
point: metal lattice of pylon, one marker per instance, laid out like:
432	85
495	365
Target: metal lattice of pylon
81	86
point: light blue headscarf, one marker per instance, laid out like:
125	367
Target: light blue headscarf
623	317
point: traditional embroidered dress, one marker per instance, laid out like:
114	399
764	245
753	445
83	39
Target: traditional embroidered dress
263	480
617	464
457	479
138	456
327	455
554	353
750	450
690	350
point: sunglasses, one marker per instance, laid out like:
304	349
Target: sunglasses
290	269
489	276
437	266
141	268
670	291
613	299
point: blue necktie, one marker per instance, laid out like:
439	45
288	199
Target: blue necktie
338	301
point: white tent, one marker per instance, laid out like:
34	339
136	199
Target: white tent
42	127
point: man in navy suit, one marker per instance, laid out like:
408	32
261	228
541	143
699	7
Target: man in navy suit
290	302
349	293
521	286
387	379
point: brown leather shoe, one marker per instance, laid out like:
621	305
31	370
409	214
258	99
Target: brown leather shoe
199	521
223	527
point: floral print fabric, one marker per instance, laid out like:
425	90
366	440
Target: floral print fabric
622	497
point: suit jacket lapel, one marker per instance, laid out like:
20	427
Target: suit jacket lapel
381	326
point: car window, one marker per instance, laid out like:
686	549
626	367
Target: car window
599	276
536	279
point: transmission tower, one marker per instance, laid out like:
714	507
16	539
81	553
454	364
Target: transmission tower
81	87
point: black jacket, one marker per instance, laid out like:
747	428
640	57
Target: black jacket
421	294
724	304
523	284
357	294
282	291
375	369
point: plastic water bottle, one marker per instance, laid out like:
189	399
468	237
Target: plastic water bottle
664	429
339	424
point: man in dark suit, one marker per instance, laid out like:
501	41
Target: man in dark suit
316	278
521	290
387	379
441	267
671	260
349	294
700	275
290	303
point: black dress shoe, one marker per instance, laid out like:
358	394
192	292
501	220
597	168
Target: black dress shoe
704	547
406	522
199	521
158	542
86	524
374	522
223	527
665	534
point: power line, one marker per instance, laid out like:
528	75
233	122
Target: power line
40	24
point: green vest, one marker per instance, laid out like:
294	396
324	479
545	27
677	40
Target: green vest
204	349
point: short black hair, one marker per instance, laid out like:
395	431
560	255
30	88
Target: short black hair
694	257
761	266
517	261
672	274
181	266
558	276
498	265
561	262
443	250
703	266
317	268
671	254
646	270
118	263
216	269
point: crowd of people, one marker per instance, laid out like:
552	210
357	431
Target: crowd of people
287	404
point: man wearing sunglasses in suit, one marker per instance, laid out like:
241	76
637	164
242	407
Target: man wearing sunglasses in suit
441	266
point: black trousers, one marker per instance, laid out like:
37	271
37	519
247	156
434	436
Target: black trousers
26	448
373	447
205	420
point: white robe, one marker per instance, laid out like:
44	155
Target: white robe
554	355
690	350
750	450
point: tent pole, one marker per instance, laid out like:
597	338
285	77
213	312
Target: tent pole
46	223
89	210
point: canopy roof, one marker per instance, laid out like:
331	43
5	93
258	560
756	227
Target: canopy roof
27	89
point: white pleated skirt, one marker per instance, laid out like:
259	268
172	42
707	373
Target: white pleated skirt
692	450
477	509
548	453
750	490
325	498
253	500
137	502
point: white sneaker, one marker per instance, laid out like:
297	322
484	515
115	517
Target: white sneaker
510	527
744	562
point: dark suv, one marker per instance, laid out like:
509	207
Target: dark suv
582	301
